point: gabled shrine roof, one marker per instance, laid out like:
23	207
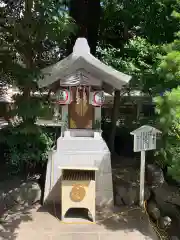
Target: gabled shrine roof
81	58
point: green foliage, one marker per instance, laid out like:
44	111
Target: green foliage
33	35
132	38
138	58
25	151
123	19
168	110
169	69
132	34
168	106
47	111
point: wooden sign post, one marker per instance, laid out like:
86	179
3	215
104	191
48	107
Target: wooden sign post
144	140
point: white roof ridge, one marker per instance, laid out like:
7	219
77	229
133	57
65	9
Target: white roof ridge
108	69
80	47
81	56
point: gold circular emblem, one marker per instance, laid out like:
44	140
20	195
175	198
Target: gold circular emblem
78	193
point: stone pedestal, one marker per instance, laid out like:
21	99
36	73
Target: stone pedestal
80	151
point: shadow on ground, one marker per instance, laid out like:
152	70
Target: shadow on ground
126	219
11	220
11	214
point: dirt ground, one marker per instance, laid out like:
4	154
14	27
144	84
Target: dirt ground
37	222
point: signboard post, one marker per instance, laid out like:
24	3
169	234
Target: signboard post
144	140
142	176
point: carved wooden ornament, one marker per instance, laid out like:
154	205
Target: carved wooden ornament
77	193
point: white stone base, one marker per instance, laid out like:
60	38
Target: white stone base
80	151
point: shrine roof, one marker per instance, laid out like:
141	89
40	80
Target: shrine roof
81	58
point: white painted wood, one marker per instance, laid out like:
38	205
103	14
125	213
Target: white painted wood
81	58
97	113
81	77
49	181
64	114
48	123
142	176
145	138
78	168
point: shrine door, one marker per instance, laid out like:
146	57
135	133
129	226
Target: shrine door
81	113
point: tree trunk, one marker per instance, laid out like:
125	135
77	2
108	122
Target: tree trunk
94	13
115	112
27	54
82	11
78	11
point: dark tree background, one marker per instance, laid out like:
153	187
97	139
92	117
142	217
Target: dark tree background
86	14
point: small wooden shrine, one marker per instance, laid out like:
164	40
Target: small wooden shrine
79	82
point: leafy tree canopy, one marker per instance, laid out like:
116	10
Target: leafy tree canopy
169	68
168	106
133	36
33	35
168	110
124	19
